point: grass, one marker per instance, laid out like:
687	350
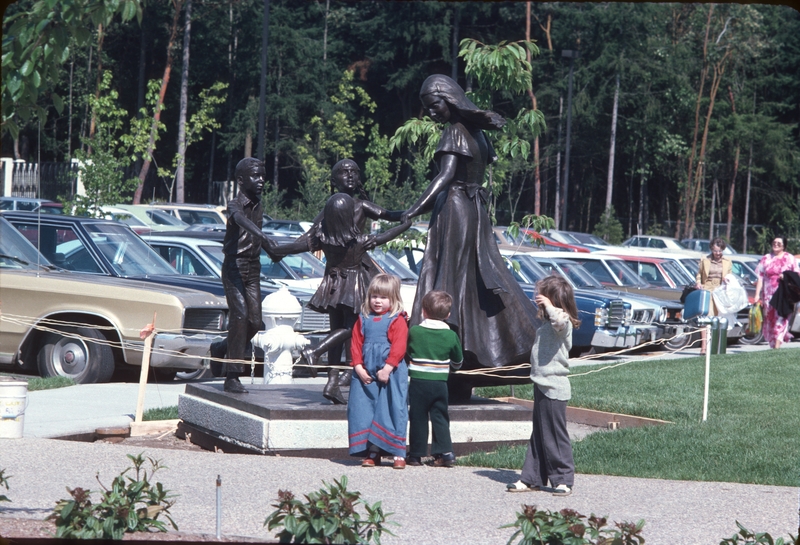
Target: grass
751	435
161	413
39	383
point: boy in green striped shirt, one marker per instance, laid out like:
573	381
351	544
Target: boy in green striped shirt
433	348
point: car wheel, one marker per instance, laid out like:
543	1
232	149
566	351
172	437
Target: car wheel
750	338
194	374
680	342
74	353
163	374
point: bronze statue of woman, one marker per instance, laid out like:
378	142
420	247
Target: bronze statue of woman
494	319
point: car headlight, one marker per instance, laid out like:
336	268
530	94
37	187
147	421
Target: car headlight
600	316
628	316
662	315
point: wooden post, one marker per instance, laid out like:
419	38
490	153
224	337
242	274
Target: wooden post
148	347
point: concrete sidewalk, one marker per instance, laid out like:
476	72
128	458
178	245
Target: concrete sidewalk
432	505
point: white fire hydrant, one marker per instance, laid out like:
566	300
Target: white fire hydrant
280	311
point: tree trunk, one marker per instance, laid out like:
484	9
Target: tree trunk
557	215
610	182
537	178
180	168
747	198
719	70
686	198
262	101
100	38
732	187
148	159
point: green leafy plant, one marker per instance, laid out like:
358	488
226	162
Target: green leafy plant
327	516
568	527
132	504
746	537
609	228
4	482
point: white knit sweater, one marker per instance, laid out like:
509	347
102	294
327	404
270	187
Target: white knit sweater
550	355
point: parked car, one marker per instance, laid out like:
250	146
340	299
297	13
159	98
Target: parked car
614	273
604	318
703	245
194	214
203	257
588	239
104	247
27	204
654	242
143	218
83	326
288	228
652	318
542	242
670	270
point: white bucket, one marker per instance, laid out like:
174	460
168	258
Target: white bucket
13	401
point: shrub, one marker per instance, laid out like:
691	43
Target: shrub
327	516
750	538
542	527
132	504
4	482
609	228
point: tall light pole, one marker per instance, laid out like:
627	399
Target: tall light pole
571	55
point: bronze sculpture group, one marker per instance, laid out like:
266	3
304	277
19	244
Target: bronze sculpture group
494	319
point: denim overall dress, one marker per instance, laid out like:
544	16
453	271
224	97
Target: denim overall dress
377	413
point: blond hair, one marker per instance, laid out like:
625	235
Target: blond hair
384	285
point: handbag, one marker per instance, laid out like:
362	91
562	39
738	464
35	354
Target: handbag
756	318
687	289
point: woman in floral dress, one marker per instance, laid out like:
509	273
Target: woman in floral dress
770	271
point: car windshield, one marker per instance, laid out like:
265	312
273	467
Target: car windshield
692	265
15	250
678	273
624	273
162	218
579	276
215	254
392	265
128	254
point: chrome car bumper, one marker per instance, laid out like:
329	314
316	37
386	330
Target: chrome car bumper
624	336
175	351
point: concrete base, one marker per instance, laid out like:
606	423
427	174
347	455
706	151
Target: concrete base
295	417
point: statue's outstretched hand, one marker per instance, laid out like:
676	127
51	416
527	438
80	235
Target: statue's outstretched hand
370	242
404	217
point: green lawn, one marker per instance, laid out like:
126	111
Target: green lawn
752	434
39	383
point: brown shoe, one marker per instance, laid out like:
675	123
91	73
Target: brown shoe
371	460
448	459
399	463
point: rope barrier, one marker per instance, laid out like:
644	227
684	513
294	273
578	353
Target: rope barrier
494	372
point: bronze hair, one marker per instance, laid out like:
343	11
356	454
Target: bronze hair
719	243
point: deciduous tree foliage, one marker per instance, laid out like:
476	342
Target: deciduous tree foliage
699	86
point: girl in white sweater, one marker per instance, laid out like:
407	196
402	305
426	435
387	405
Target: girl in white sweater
549	455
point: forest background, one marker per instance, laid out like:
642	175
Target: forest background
681	113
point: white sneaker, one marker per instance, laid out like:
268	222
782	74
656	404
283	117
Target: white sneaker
562	490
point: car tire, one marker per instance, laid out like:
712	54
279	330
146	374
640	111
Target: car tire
194	374
751	339
681	342
73	353
163	374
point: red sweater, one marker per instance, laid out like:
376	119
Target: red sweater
398	336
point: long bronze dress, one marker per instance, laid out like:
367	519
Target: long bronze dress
494	319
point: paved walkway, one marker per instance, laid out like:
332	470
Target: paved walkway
454	506
433	506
